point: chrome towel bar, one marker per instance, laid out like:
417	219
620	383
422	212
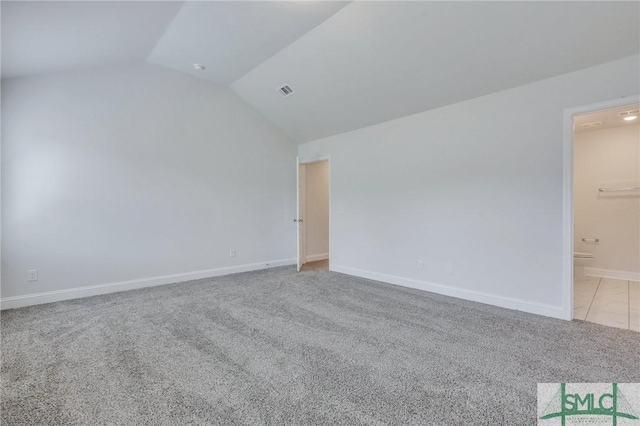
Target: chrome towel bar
633	188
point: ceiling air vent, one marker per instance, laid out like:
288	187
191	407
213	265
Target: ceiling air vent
591	125
626	113
285	90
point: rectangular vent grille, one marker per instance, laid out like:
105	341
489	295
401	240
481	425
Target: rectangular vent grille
625	113
285	90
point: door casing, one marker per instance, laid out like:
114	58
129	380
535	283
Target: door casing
300	234
567	192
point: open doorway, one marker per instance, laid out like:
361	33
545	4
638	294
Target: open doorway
313	215
605	189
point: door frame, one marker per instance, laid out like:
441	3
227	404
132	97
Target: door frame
303	161
567	191
301	230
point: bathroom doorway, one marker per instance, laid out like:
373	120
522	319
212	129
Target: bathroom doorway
313	215
605	204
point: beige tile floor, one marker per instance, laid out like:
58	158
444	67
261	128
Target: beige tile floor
606	301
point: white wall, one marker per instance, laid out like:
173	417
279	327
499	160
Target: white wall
608	158
317	210
137	172
478	184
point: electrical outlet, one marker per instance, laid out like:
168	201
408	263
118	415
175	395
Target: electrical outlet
449	268
32	275
420	265
232	253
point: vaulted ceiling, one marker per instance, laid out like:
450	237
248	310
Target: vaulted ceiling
232	38
51	36
351	64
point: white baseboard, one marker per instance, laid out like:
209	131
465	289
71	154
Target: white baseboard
316	257
611	273
475	296
94	290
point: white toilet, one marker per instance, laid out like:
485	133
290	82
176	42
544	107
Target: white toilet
580	260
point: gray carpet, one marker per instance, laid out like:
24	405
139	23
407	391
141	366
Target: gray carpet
279	348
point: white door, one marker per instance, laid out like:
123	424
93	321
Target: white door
299	220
